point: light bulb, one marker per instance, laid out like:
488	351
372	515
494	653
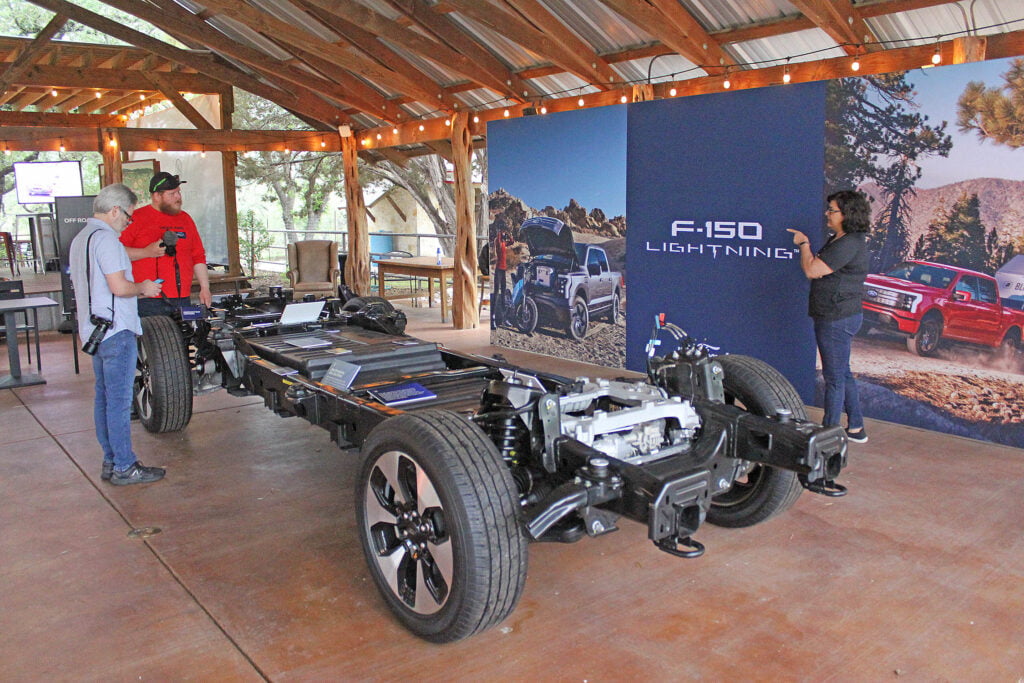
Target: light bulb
476	119
580	102
855	65
672	92
505	113
623	99
786	78
543	110
422	128
726	84
937	57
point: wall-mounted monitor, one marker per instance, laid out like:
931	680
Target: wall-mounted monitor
38	182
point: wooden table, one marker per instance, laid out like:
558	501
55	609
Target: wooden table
420	266
10	308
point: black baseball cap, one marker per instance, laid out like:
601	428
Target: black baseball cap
164	181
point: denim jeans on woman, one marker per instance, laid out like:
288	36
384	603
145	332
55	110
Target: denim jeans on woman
835	338
114	366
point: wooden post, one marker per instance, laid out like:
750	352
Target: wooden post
110	149
969	49
357	265
643	92
228	161
465	314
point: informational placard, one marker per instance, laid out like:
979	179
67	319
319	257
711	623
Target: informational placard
340	375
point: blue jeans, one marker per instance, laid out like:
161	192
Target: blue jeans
835	337
114	366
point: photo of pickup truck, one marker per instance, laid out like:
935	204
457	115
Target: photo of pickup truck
567	283
931	303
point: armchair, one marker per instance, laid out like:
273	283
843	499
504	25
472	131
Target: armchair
313	267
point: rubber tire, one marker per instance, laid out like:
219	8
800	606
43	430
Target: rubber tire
1010	347
926	341
163	383
359	303
760	389
579	319
613	314
526	316
480	517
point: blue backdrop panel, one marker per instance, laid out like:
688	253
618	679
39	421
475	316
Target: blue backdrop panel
713	182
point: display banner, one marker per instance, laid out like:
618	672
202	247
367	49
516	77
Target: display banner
713	182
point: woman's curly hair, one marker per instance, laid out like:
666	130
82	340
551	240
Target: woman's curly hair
855	208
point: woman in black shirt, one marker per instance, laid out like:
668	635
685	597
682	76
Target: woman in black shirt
837	274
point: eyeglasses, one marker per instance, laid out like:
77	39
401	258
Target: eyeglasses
127	214
831	210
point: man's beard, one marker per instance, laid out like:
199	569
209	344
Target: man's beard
169	208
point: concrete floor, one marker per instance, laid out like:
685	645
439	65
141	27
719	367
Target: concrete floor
244	564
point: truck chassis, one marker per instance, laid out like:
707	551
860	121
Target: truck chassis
489	457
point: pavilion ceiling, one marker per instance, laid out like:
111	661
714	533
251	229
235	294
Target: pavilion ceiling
395	70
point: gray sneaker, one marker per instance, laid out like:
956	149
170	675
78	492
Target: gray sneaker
108	470
137	474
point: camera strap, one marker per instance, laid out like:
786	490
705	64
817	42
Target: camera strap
88	277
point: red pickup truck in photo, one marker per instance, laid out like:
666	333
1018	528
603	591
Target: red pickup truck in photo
933	302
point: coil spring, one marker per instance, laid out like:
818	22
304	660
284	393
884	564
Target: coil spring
506	430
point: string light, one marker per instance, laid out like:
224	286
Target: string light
422	128
323	143
53	93
113	142
786	78
202	152
580	102
855	64
672	92
543	110
159	147
7	149
726	83
98	95
142	98
505	113
937	57
62	148
447	122
476	119
366	141
623	99
379	136
394	131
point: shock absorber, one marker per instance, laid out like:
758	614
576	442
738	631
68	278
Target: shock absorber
507	432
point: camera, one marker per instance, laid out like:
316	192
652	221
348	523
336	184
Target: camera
92	345
169	242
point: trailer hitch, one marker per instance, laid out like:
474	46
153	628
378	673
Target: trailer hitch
826	487
680	547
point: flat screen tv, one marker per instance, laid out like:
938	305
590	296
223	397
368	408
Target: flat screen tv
38	182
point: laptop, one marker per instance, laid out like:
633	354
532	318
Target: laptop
301	312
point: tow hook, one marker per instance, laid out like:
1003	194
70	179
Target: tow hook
681	547
828	487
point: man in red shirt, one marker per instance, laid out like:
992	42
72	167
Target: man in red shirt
163	243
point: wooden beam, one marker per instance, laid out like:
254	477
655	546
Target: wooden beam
689	29
110	148
518	30
32	51
465	314
280	30
54	120
113	79
228	163
178	21
228	75
551	26
841	22
357	265
361	25
179	102
442	27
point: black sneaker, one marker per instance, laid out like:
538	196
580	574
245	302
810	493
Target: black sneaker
860	436
108	470
137	474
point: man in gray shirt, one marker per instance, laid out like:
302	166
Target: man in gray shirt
106	296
